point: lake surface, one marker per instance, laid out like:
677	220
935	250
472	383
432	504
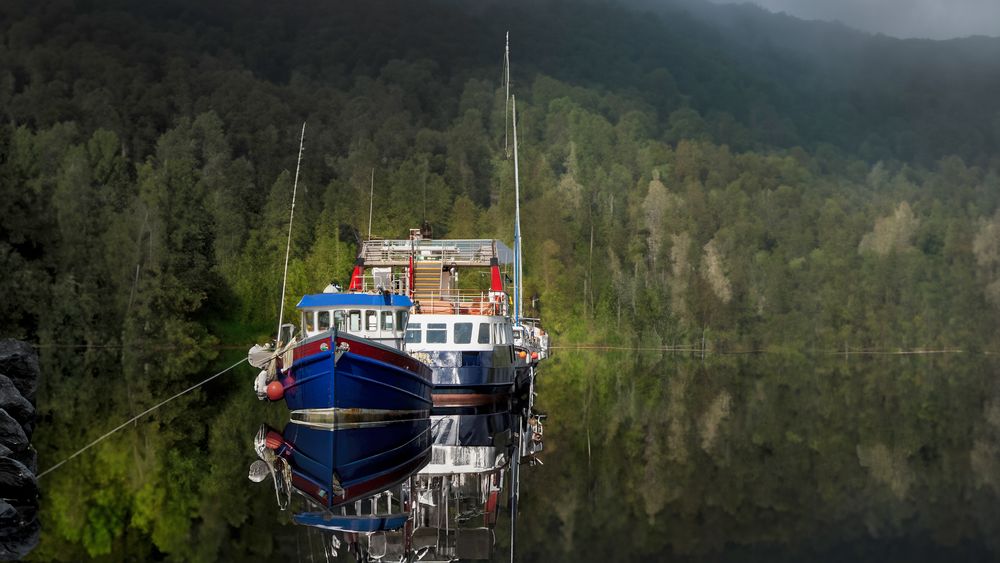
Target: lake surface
663	458
766	458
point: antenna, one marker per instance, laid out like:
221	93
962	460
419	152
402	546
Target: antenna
506	95
288	245
371	204
517	224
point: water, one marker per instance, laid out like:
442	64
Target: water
766	458
647	457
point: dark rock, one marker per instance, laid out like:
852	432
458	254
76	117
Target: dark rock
18	485
19	362
11	433
28	458
20	532
12	401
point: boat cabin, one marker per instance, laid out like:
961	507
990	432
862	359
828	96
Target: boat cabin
378	317
465	333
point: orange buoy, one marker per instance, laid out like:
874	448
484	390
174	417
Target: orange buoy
273	440
275	391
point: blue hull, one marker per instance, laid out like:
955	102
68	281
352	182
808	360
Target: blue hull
367	376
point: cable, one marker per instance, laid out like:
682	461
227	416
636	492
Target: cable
135	418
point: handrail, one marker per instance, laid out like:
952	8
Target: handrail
471	252
461	302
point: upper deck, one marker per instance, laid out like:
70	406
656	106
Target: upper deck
450	252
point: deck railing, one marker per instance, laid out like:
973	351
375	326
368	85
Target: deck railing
461	302
470	252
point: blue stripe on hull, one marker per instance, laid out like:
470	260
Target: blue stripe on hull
357	524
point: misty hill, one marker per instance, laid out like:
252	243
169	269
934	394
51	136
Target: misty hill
755	78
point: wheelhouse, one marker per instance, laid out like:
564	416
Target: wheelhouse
457	332
378	317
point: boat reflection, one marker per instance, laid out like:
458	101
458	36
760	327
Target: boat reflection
340	474
425	489
470	482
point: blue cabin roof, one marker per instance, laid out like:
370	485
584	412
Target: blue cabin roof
334	300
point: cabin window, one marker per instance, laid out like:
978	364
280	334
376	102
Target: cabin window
463	333
484	333
307	321
354	321
371	321
401	318
338	319
413	333
437	333
387	321
323	320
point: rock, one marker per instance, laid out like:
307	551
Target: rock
12	401
20	532
11	433
19	362
28	458
18	485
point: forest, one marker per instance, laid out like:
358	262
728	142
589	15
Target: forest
689	176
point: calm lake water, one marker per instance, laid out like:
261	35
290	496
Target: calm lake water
750	458
766	458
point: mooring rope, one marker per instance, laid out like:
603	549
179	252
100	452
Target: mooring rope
137	417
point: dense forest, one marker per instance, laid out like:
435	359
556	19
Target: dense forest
688	175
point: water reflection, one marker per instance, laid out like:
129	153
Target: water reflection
766	458
429	489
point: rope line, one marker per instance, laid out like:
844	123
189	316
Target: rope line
137	417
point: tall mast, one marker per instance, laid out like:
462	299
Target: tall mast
371	204
506	93
288	245
517	225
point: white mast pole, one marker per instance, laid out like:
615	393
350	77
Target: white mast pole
506	93
288	244
371	204
517	224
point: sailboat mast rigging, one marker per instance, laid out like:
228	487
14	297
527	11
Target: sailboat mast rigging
291	218
518	258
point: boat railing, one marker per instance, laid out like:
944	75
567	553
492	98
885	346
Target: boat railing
465	252
392	282
461	302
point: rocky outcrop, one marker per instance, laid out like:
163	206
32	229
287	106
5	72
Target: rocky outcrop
12	401
19	362
19	526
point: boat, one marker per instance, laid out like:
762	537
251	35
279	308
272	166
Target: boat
465	334
349	362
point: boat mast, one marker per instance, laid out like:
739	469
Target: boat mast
506	93
371	204
517	225
288	245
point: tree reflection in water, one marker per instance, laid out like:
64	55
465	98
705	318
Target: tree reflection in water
766	458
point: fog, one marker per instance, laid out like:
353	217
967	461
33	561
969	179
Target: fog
934	19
